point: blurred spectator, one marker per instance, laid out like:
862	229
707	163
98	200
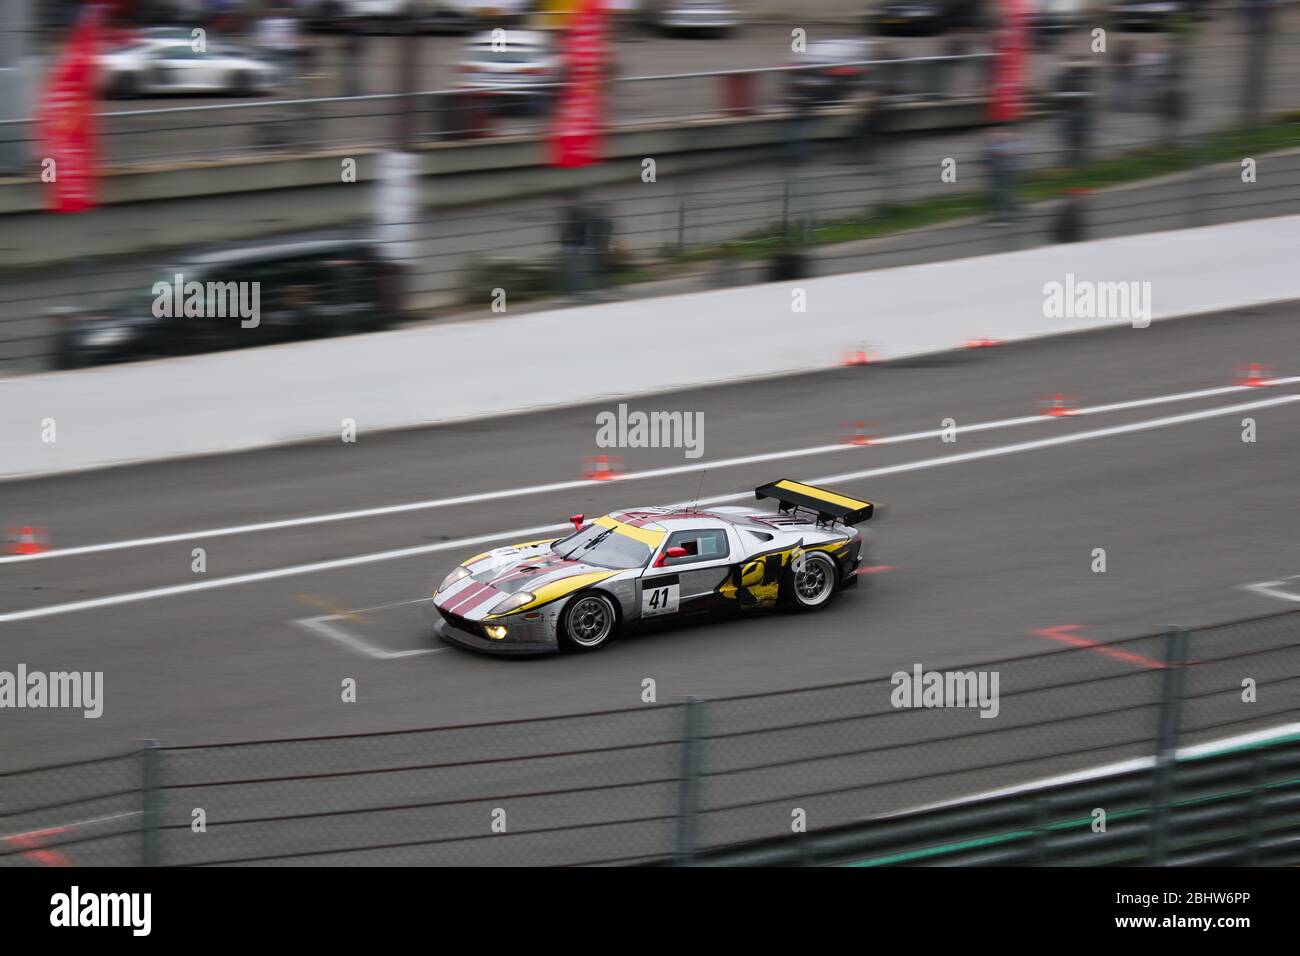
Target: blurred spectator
1002	159
601	229
1125	67
575	241
1069	223
1073	99
353	50
1172	101
277	35
1149	73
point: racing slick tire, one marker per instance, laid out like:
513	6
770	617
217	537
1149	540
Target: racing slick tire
590	621
815	587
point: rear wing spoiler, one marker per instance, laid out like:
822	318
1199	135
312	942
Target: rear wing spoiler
829	505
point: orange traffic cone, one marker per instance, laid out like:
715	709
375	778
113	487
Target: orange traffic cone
1058	406
858	356
600	468
858	435
1253	376
29	540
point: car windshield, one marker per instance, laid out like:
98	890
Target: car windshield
604	548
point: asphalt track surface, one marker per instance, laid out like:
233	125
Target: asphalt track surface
970	557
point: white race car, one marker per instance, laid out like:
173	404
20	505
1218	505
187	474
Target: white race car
577	592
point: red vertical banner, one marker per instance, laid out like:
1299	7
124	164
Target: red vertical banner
575	139
1010	64
66	120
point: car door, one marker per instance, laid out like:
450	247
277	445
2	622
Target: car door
175	68
687	583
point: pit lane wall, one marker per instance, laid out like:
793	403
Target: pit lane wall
474	369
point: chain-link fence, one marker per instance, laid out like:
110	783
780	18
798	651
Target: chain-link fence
665	782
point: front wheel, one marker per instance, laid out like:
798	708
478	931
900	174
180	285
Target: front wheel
812	587
588	622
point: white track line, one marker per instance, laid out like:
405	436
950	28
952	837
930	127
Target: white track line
1275	589
380	511
325	627
525	533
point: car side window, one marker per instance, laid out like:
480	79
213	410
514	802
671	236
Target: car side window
708	544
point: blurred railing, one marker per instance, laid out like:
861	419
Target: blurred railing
308	124
842	210
688	780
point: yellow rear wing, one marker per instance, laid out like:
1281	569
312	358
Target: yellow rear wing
829	505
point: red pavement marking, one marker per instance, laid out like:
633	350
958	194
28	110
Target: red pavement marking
35	851
1058	633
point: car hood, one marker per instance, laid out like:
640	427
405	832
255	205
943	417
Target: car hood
531	567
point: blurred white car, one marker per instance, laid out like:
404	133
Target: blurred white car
522	66
162	63
712	17
466	14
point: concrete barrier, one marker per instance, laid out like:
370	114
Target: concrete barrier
465	370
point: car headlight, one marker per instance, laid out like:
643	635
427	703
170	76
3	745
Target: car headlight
514	602
449	580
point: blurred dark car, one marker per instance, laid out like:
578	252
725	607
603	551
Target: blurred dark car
909	17
830	71
290	291
927	17
1150	15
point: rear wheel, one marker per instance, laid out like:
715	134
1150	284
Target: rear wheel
812	587
588	622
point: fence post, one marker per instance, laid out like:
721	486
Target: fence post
1040	843
1260	761
149	802
1168	722
688	790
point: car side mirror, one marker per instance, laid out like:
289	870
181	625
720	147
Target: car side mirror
577	521
676	551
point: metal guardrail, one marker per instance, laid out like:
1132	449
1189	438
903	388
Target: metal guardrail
1231	807
722	780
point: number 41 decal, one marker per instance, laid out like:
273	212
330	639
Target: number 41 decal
659	600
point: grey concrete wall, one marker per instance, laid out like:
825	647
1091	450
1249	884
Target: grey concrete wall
237	400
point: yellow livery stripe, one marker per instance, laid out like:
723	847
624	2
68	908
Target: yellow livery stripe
644	535
558	589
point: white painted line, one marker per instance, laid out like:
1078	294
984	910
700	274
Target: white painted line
1275	589
522	534
325	627
87	822
381	511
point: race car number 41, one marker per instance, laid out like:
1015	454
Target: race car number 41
660	600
